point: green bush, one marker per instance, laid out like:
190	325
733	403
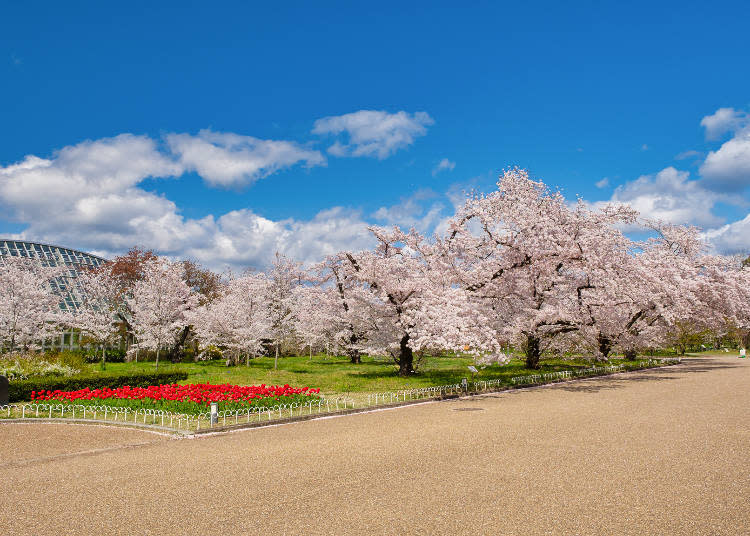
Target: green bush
69	358
21	390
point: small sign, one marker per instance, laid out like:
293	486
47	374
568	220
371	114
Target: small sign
214	413
742	352
473	369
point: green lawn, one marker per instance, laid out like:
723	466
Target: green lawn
336	375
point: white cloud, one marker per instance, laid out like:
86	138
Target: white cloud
730	239
443	165
728	168
373	132
412	212
644	147
39	191
603	183
243	238
226	159
89	196
684	155
670	196
722	121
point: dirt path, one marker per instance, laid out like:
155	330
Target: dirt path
657	452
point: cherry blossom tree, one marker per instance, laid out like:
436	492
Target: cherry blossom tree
314	319
96	317
283	277
526	257
341	305
160	302
29	309
409	306
237	318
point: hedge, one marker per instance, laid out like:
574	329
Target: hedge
21	390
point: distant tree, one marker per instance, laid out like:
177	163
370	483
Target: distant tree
341	305
29	310
129	268
314	319
96	317
237	318
204	282
160	302
283	277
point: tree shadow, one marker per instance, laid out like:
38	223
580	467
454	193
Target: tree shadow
689	366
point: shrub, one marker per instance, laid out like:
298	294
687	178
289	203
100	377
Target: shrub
25	366
69	358
21	390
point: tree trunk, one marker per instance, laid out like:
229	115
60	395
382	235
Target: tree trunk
104	357
157	357
354	356
174	352
405	358
276	359
605	346
631	354
310	353
533	353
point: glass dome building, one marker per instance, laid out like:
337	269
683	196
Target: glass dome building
65	286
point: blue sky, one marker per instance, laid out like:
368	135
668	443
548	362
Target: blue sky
226	131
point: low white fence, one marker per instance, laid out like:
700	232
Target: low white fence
187	423
590	371
168	419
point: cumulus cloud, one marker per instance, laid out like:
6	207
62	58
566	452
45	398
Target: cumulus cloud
722	121
669	195
372	132
230	160
80	180
728	168
602	183
443	165
243	238
89	196
731	239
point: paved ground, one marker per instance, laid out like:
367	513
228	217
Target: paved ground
658	452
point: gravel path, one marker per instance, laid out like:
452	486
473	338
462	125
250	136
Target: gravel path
657	452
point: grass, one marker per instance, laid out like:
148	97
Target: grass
337	376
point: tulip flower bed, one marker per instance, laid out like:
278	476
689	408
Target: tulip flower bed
189	399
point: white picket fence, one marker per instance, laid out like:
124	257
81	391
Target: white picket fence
187	423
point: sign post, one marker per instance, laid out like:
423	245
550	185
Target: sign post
214	413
